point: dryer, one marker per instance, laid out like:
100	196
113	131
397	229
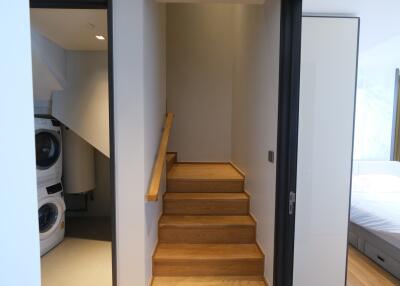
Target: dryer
48	143
51	215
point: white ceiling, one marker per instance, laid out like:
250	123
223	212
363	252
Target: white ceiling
75	29
72	29
378	18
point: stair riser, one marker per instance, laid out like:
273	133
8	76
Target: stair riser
206	207
241	234
193	186
208	268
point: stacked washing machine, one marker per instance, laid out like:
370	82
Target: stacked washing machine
51	206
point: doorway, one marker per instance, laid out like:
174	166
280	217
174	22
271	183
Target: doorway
222	116
73	92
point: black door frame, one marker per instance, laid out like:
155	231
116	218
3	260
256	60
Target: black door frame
98	4
288	121
69	4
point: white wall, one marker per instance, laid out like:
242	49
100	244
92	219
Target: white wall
137	55
129	143
52	55
154	113
379	58
255	112
326	115
84	75
44	83
199	80
49	69
19	242
73	87
83	104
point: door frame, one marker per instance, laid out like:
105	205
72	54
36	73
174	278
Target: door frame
288	111
288	121
98	4
69	4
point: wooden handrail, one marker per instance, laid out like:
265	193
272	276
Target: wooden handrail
159	164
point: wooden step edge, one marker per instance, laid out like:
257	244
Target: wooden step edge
206	259
251	223
155	251
238	170
209	280
255	225
203	180
205	163
205	226
260	249
199	258
253	218
249	205
195	257
167	196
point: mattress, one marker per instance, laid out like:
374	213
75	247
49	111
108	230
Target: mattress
375	206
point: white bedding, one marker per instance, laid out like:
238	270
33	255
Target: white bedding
375	205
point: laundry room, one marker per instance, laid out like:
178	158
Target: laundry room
71	101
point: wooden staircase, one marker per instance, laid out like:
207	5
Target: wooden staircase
206	235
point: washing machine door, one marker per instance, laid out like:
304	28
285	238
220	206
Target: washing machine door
50	214
48	149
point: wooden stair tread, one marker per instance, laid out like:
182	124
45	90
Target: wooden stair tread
205	221
209	281
192	252
204	171
205	196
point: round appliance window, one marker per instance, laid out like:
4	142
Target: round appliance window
48	214
47	150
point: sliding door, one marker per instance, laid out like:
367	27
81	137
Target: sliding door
326	116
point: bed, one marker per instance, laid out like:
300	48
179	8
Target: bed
375	213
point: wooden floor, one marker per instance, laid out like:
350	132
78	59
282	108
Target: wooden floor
364	272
